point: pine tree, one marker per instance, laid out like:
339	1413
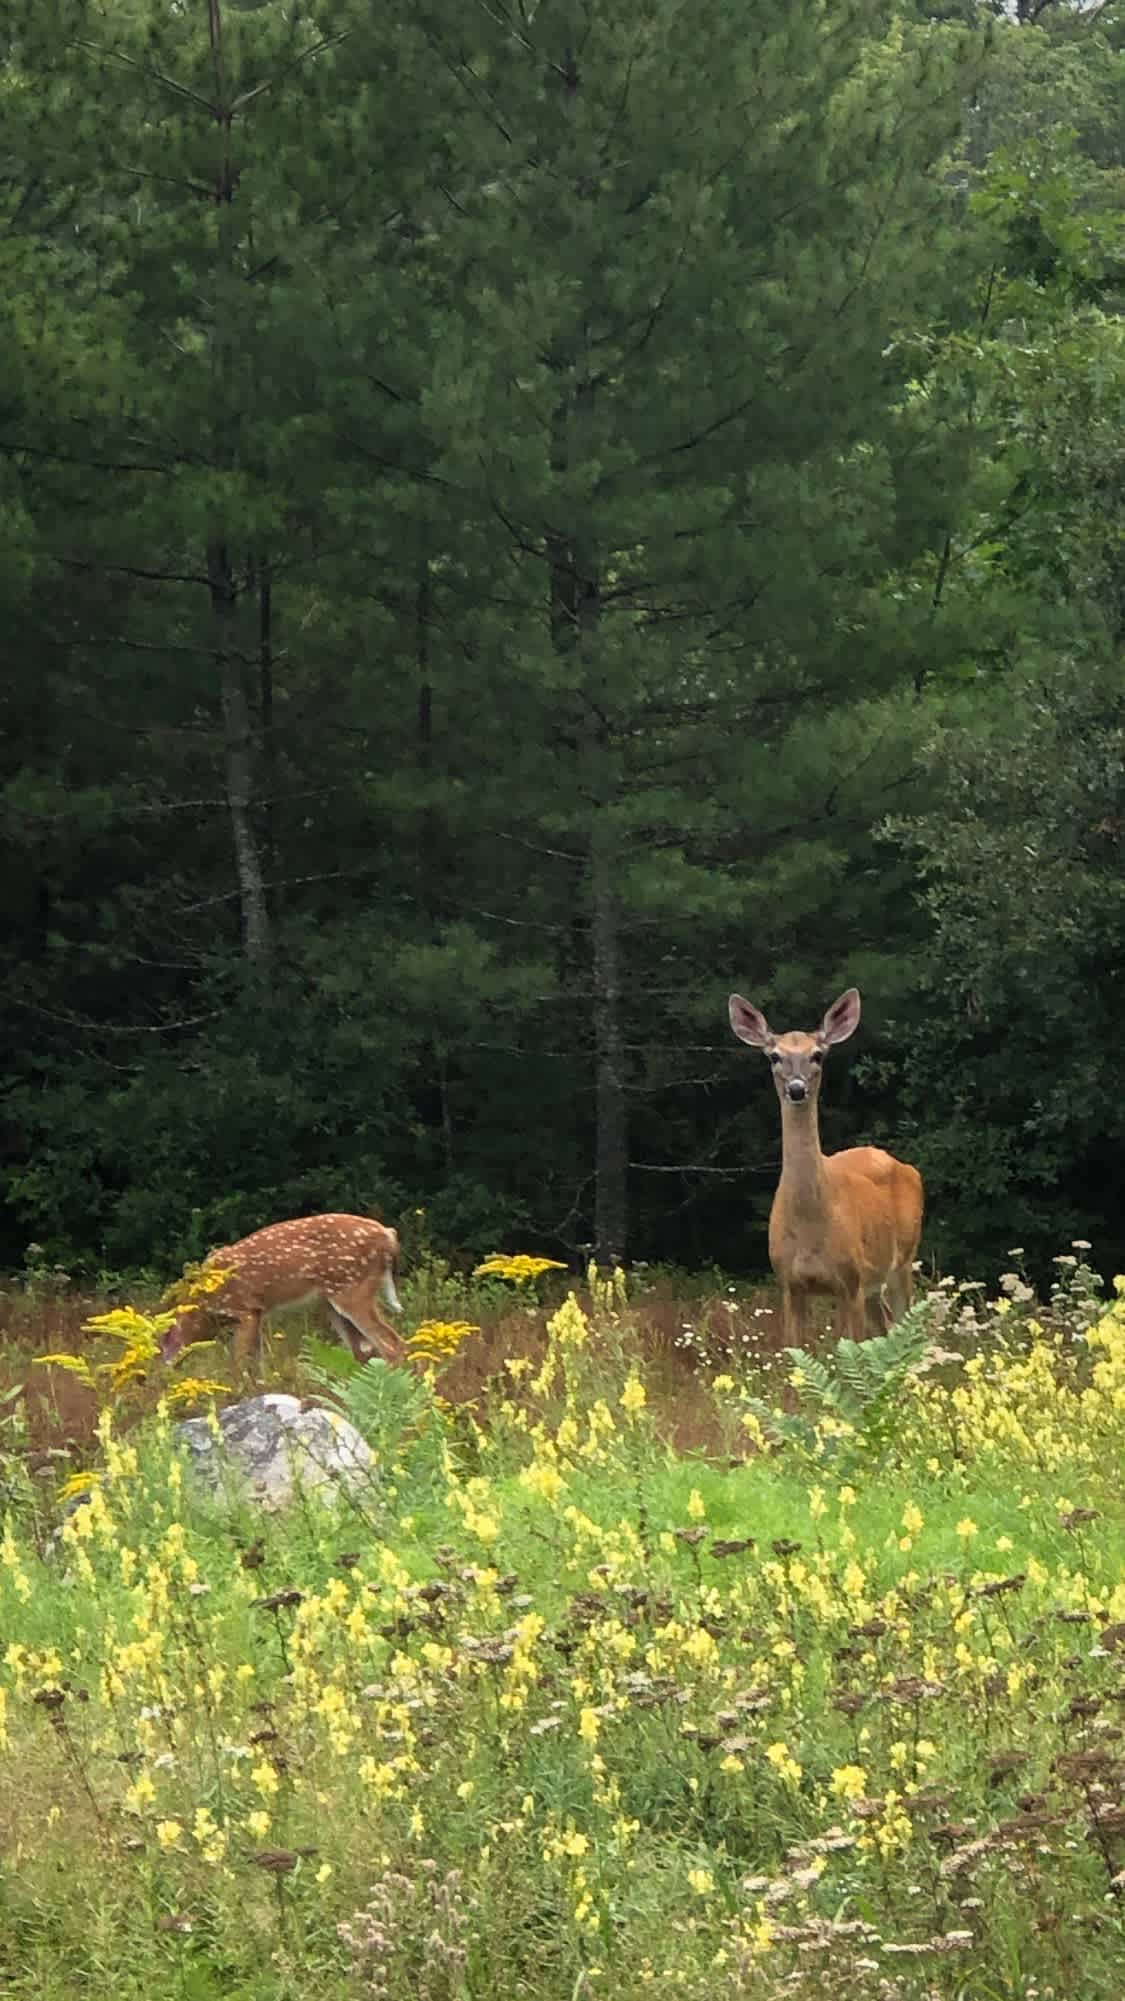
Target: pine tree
227	165
666	385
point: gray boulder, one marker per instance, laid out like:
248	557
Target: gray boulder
273	1447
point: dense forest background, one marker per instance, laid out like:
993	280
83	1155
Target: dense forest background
516	519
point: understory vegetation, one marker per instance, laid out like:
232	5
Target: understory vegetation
828	1702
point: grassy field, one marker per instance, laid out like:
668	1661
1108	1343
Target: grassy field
615	1681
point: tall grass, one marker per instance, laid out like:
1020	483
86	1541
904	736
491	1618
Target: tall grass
561	1709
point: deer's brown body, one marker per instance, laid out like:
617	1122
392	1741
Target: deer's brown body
344	1261
846	1224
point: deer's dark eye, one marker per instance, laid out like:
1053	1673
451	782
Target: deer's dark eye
775	1057
816	1056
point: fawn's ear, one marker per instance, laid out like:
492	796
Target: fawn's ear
842	1018
748	1022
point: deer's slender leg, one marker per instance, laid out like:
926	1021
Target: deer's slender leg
851	1321
247	1340
900	1291
794	1305
877	1313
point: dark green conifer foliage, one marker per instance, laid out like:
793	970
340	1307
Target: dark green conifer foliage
668	388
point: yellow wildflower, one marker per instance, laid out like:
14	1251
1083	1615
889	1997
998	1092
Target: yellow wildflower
783	1762
633	1395
140	1794
849	1782
854	1580
519	1268
78	1483
438	1341
542	1479
193	1389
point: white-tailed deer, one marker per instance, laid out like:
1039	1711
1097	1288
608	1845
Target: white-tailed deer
343	1260
847	1223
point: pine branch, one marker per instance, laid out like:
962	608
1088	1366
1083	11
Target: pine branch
88	565
18	448
248	97
181	90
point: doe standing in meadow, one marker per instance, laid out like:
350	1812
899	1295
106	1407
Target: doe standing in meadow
346	1261
846	1224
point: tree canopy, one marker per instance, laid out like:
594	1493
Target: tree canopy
514	522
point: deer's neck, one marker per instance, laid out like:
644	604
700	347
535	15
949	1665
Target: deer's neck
803	1180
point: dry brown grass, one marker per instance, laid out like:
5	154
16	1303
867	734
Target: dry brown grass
681	1341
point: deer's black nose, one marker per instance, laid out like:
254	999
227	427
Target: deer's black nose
796	1090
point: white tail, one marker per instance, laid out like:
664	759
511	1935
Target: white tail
343	1260
846	1224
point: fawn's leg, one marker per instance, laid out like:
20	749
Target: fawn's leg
247	1337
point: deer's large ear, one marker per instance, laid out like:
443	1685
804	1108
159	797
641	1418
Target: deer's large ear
842	1018
748	1022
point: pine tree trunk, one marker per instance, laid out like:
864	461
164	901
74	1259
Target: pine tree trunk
238	722
575	617
611	1148
238	756
267	741
427	857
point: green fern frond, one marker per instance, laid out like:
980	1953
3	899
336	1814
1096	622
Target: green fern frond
815	1379
859	1382
783	1427
855	1372
382	1402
